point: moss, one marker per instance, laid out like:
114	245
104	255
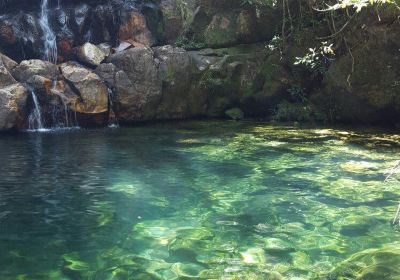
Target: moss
189	44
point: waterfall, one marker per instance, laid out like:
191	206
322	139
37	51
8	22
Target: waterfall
67	118
62	117
35	118
112	118
49	38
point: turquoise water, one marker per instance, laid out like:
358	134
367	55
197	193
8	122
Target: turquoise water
199	200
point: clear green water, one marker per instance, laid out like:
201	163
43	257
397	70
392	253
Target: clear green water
199	200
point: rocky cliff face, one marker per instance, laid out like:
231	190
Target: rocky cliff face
148	60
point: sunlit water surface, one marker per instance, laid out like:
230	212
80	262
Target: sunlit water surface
199	200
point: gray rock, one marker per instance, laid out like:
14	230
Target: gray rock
137	84
106	72
7	62
90	54
179	99
27	68
5	77
12	104
105	48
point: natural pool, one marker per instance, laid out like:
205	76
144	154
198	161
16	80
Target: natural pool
199	200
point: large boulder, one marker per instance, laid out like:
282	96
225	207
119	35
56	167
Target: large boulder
90	54
20	35
370	93
172	20
5	77
28	68
137	85
88	86
13	100
179	99
221	31
268	86
177	15
134	29
230	77
7	62
227	23
107	71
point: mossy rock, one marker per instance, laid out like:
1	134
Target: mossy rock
370	93
221	31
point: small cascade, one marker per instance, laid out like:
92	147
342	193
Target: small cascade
112	118
64	118
49	38
35	122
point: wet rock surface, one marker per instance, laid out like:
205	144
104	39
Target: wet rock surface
13	100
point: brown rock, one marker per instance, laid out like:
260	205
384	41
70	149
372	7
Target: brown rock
86	84
134	29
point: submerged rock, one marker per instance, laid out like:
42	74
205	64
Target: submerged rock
254	256
370	264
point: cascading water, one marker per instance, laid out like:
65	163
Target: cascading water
64	118
35	118
112	118
49	38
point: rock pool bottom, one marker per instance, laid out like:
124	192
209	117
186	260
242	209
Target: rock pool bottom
199	200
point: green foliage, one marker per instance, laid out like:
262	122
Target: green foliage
189	44
316	56
298	93
275	43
